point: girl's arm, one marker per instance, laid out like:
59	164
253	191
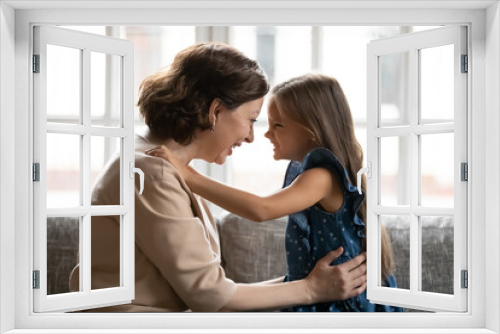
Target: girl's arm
307	189
325	283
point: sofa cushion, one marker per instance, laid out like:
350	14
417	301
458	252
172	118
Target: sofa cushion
250	251
63	243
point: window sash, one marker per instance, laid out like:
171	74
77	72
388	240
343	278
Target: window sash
413	298
86	298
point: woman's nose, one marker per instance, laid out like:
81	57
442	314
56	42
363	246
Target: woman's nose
268	134
250	136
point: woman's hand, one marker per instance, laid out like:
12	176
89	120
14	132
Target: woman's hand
164	153
326	282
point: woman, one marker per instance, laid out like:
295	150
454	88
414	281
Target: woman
202	106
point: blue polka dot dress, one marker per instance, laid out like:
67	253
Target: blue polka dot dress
312	233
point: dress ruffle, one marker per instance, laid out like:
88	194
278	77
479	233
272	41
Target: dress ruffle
324	158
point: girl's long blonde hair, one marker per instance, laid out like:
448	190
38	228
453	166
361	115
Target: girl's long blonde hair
318	104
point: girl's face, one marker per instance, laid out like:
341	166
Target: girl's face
290	141
232	128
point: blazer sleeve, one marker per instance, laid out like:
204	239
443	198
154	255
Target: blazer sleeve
178	244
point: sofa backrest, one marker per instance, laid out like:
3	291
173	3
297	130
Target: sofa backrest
254	252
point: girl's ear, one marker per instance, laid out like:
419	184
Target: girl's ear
213	111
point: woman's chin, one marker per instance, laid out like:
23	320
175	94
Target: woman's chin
220	159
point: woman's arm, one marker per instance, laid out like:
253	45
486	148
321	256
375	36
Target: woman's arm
325	283
308	189
272	281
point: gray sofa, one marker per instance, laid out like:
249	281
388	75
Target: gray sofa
254	252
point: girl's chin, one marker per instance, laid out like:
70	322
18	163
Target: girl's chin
276	155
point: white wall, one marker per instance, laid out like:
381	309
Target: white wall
492	165
7	206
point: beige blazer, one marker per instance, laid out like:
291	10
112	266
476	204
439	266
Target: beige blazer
177	250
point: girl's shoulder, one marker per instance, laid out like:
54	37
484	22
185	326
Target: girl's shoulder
317	158
324	158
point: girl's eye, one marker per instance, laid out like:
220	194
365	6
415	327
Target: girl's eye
277	125
253	120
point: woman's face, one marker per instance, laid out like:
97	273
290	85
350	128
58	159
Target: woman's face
232	128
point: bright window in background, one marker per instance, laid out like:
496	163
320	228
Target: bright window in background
154	47
338	51
283	52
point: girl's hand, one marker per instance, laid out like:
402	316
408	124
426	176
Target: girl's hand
326	282
164	153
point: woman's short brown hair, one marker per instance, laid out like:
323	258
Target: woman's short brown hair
174	101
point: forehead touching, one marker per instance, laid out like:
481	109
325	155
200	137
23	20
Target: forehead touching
272	111
249	109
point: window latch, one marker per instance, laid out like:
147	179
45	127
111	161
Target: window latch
368	172
139	171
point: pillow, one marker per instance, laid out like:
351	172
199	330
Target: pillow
250	251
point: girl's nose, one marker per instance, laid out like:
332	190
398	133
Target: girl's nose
268	134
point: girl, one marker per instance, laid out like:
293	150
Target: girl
310	123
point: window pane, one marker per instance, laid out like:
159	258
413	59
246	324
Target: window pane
292	52
244	39
104	150
394	74
63	170
437	84
437	168
349	68
106	248
105	89
398	229
437	254
63	84
395	171
155	47
63	242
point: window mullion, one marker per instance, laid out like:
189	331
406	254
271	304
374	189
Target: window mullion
413	82
85	249
317	48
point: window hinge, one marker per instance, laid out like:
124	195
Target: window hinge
36	63
36	279
36	172
464	171
465	279
465	64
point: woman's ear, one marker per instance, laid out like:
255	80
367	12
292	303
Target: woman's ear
213	111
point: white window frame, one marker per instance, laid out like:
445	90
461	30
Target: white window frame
412	44
86	43
17	19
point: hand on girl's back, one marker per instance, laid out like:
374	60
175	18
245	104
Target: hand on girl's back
340	282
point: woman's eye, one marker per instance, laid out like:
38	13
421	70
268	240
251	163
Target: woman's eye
253	120
277	125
